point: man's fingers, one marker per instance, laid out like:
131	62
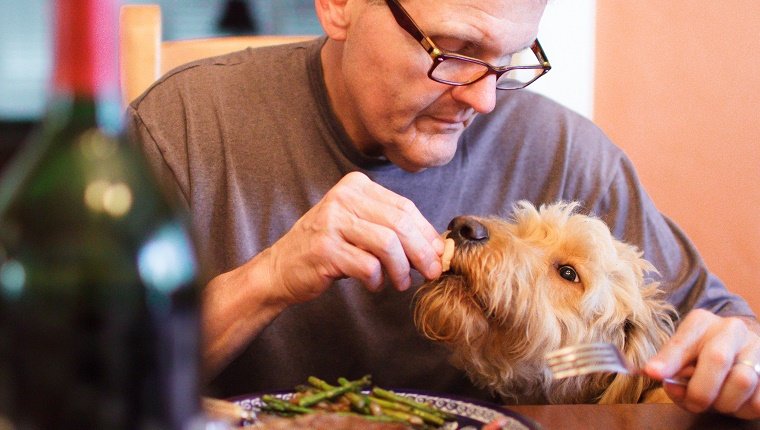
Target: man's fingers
404	209
683	348
739	386
712	344
677	392
383	244
421	243
751	408
360	265
364	231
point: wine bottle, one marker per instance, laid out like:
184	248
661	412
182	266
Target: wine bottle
99	299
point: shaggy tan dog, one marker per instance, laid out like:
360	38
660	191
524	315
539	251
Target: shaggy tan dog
548	279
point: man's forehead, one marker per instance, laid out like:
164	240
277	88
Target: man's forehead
490	11
480	19
485	5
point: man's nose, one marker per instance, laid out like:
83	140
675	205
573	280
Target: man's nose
480	96
467	229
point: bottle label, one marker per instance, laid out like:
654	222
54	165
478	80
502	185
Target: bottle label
85	47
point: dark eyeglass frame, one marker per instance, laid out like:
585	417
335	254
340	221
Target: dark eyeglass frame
439	56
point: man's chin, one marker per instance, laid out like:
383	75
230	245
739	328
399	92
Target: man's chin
436	154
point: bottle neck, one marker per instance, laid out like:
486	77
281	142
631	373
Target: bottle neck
86	61
85	48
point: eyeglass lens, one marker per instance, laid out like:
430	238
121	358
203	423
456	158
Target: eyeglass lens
460	71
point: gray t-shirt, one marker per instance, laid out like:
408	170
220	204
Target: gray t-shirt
250	143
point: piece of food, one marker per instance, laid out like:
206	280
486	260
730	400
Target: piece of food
225	410
330	392
326	421
355	399
448	254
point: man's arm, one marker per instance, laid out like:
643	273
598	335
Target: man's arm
237	306
358	230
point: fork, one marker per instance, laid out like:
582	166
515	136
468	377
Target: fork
588	358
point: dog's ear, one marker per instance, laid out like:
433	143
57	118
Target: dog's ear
649	322
639	345
625	389
645	333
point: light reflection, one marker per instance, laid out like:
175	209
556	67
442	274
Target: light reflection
166	261
12	278
115	199
93	195
96	145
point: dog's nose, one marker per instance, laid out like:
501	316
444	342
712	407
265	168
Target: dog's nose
467	229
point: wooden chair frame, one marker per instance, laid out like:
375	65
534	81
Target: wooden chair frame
144	56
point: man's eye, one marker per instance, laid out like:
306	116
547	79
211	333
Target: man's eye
450	44
567	272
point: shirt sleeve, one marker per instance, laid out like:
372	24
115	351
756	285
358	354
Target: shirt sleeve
139	134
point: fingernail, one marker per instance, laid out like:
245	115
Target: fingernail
405	284
438	245
434	270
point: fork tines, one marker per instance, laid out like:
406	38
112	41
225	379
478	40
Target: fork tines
582	359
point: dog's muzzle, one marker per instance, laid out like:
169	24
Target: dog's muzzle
466	229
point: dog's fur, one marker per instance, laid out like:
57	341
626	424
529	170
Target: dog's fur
503	306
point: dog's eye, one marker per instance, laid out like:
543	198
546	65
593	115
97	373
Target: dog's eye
569	273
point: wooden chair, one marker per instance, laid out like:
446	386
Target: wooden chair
144	57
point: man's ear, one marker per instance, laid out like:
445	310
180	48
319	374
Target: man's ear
333	15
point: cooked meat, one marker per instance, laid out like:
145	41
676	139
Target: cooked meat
325	422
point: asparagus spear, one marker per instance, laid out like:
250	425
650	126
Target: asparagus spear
432	416
358	402
280	405
403	416
381	418
383	405
389	395
388	405
333	392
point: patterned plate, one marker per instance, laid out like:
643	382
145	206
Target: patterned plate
471	414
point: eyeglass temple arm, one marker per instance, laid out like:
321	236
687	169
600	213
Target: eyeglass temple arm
540	54
407	23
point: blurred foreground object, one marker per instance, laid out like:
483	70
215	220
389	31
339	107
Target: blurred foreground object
99	304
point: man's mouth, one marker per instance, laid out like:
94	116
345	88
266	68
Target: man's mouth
453	120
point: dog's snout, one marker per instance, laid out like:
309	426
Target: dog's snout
467	229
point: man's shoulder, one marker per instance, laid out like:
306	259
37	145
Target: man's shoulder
531	107
270	57
208	77
532	129
529	116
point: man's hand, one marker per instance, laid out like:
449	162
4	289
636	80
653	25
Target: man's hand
718	355
358	230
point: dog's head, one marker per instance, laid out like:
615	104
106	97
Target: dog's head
548	278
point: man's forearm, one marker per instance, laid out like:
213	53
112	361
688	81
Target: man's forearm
236	308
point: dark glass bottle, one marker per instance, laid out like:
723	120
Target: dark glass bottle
99	303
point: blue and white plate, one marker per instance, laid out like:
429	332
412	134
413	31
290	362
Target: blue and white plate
470	414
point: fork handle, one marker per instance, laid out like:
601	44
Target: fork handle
676	381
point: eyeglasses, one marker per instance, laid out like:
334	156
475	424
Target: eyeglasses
454	69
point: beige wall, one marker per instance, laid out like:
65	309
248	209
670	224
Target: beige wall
678	87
